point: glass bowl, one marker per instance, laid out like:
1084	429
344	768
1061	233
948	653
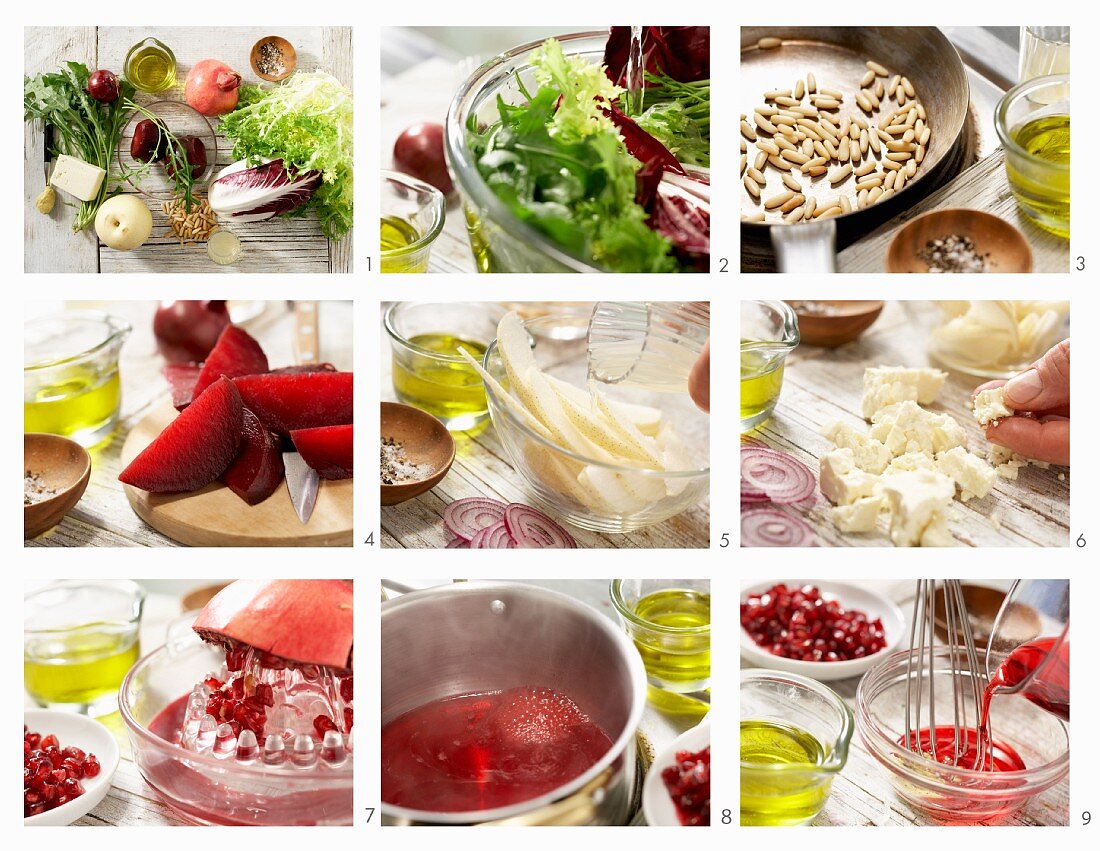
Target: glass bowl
151	179
1041	187
207	789
776	793
413	212
500	241
551	471
943	792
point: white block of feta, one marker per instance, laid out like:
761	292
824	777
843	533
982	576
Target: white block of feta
974	476
870	455
888	385
919	506
907	427
80	179
842	482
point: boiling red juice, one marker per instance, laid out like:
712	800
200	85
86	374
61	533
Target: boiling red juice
1052	694
481	751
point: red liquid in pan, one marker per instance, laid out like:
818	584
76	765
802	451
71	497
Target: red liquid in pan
1052	694
480	751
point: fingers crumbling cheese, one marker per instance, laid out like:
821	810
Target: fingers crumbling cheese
909	465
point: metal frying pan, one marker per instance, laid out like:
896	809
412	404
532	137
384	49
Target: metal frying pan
837	57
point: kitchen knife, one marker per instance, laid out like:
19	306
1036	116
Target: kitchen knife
47	138
301	479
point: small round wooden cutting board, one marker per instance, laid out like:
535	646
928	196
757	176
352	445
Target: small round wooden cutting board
217	517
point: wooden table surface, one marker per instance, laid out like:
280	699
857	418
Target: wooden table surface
824	385
103	516
482	468
276	245
862	794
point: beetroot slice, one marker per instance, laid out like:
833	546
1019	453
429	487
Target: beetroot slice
258	469
287	402
181	378
236	353
298	369
328	450
195	448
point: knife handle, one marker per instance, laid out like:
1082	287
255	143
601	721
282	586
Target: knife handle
307	341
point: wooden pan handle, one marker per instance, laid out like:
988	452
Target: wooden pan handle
307	337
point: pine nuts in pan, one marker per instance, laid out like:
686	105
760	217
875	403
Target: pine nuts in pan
868	78
811	83
878	69
769	43
758	216
797	201
751	186
778	200
840	174
795	215
865	169
791	182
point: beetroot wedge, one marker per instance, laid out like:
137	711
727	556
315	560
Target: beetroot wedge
303	620
328	449
287	402
258	470
181	378
195	448
236	353
299	368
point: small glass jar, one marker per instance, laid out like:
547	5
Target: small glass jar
150	66
769	332
80	638
413	213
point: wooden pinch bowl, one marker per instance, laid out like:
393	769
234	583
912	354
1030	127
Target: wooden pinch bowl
65	466
840	323
1005	244
290	58
426	441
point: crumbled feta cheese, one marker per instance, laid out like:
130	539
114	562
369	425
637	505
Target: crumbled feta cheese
919	506
974	476
870	455
907	427
990	407
888	385
842	482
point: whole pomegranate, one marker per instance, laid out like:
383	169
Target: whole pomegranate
211	87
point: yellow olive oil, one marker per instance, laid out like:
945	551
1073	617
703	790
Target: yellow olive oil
761	381
82	404
446	387
780	796
669	657
81	665
1043	191
151	67
396	235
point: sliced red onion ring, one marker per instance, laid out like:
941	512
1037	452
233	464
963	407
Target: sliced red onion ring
494	537
532	529
458	544
466	517
769	527
782	477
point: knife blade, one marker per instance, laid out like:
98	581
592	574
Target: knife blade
302	480
47	138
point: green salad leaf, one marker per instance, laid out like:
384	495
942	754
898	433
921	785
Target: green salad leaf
307	121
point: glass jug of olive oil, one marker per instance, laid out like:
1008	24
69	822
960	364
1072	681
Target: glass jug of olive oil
769	332
151	66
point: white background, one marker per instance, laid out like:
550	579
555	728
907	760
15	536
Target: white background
726	567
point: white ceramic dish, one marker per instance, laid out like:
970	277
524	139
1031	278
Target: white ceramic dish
874	605
88	735
656	802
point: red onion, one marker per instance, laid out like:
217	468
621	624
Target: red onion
494	537
186	331
532	529
458	544
466	517
770	527
782	477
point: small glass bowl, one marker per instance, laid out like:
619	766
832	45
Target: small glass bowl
1041	187
79	640
676	658
418	373
415	205
151	179
944	792
551	471
769	332
786	794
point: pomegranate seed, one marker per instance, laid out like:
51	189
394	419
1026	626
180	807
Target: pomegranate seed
52	775
91	766
322	724
346	689
49	741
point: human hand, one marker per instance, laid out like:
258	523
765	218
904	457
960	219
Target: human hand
699	379
1042	393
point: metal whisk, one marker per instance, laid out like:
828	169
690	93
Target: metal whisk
966	672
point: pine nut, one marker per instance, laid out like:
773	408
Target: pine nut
884	196
795	215
900	181
787	131
925	135
769	146
799	89
761	160
900	95
888	183
811	83
783	119
791	182
873	139
811	205
863	102
747	131
797	201
869	182
806	111
920	111
778	200
845	204
783	142
853	131
832	211
878	69
831	148
899	156
744	164
840	174
816	162
893	87
880	89
831	93
764	124
821	150
921	151
865	169
767	111
863	140
827	103
795	157
753	217
808	148
900	145
817	171
868	78
782	165
751	186
909	90
890	164
842	153
786	100
874	195
910	168
777	93
769	43
757	176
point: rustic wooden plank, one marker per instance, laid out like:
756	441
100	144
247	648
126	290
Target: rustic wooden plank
51	245
103	517
821	386
983	186
277	245
482	468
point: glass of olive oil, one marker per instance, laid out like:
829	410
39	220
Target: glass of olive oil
669	622
413	213
151	66
428	370
79	640
1032	122
769	332
71	380
795	734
